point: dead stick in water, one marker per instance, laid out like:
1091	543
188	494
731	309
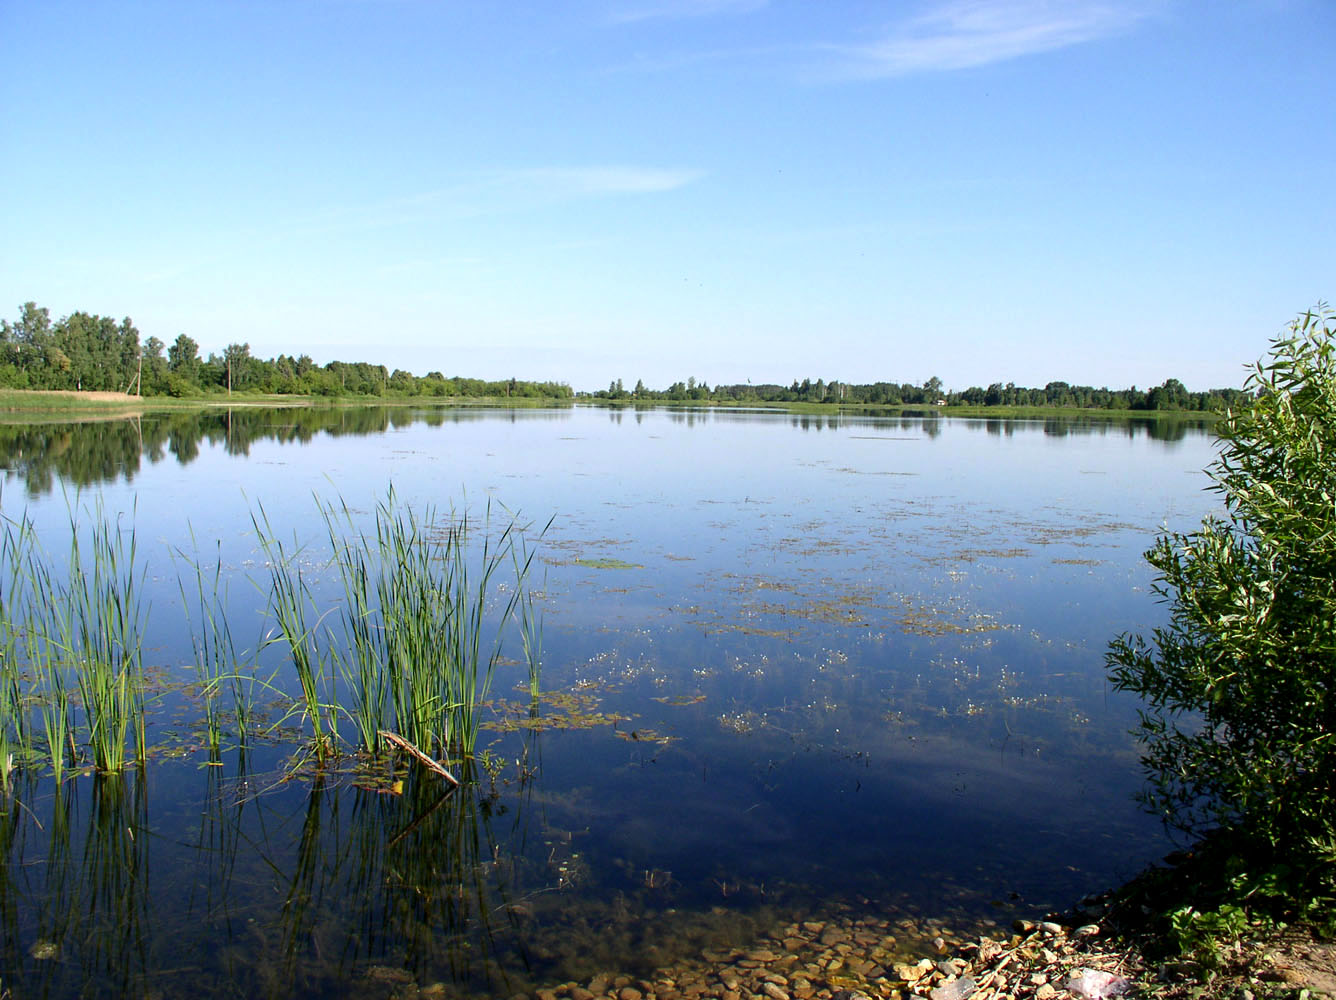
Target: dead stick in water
396	740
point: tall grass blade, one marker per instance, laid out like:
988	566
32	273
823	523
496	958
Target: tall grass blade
289	600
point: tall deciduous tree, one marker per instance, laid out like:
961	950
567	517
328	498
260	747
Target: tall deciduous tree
183	358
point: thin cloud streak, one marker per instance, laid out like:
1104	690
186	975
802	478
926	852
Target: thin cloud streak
675	10
564	182
969	33
503	191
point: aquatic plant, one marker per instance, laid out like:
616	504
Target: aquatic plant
15	726
76	632
411	644
416	636
531	629
220	668
290	599
422	637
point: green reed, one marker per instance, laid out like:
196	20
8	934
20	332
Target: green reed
531	622
103	595
422	629
15	726
366	651
290	601
73	639
218	664
411	643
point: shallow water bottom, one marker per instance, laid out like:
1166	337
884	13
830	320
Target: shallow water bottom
570	854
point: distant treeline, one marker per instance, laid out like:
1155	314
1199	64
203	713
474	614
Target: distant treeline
87	352
1172	395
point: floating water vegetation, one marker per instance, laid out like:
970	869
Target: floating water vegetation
409	641
552	710
855	607
607	564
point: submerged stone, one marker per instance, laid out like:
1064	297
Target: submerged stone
44	950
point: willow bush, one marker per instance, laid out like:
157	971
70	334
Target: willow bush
1239	723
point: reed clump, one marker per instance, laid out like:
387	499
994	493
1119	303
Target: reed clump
415	635
72	681
400	624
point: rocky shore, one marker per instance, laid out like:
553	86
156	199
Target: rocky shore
864	958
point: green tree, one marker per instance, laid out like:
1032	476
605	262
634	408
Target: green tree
1239	728
26	338
183	358
155	368
237	366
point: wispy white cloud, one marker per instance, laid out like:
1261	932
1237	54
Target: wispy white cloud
655	10
965	33
575	182
501	191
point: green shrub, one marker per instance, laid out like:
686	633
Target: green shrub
1239	727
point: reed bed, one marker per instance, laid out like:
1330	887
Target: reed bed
416	638
71	641
401	624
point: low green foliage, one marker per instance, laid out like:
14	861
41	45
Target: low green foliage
1201	933
1240	719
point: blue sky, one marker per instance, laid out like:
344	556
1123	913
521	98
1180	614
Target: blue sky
1099	191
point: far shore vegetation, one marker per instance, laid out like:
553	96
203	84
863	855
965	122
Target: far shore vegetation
95	363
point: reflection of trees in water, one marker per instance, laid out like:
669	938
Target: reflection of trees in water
306	889
91	452
84	454
79	454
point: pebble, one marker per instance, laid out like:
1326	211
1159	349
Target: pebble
953	989
847	957
44	950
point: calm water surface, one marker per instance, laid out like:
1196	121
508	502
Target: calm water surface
791	664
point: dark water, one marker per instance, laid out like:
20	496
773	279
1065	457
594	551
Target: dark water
792	663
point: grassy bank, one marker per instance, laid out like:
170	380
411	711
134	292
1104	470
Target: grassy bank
46	403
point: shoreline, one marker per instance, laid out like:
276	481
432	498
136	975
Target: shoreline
1082	955
110	405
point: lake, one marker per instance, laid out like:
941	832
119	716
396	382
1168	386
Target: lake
796	669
